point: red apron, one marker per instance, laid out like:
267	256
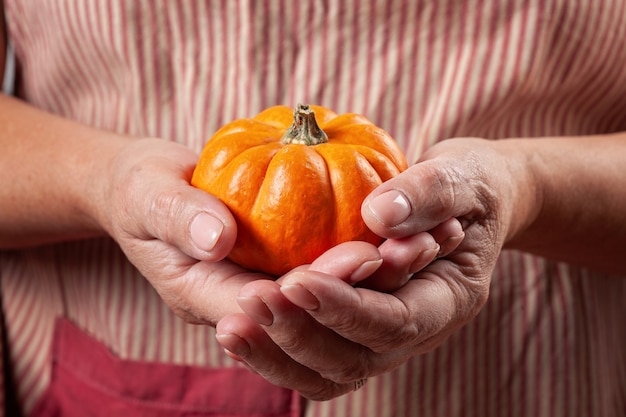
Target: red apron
88	380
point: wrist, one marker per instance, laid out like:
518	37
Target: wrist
98	172
50	192
577	211
525	196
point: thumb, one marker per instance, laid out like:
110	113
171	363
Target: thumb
212	230
195	222
417	200
147	199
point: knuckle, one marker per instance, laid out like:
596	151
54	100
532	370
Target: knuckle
357	368
389	338
474	295
345	323
324	392
184	310
293	343
442	183
168	204
187	315
405	337
395	330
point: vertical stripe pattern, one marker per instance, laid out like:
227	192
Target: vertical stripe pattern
549	341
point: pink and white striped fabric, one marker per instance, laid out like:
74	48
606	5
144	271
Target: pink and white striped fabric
550	341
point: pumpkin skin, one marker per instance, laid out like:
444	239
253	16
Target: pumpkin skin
293	201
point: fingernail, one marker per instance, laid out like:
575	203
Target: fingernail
423	259
206	231
235	345
390	208
450	244
257	310
300	296
365	270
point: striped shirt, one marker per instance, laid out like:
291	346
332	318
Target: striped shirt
549	342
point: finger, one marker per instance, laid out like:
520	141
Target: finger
350	261
365	317
401	259
404	257
197	223
420	198
441	299
245	341
301	337
417	317
448	235
156	201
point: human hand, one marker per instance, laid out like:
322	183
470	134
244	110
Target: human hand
175	234
259	337
315	332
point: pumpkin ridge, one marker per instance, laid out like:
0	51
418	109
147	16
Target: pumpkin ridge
245	215
281	218
372	136
245	125
380	162
257	197
344	120
350	187
334	232
236	165
223	149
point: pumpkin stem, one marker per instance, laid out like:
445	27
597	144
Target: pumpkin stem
304	129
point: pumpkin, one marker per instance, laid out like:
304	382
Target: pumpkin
295	182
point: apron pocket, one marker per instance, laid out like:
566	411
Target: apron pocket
89	380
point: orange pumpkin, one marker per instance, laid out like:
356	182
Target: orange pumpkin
295	182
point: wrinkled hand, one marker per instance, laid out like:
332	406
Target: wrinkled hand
178	236
175	234
318	333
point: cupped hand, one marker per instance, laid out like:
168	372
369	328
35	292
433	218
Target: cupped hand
317	332
176	235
